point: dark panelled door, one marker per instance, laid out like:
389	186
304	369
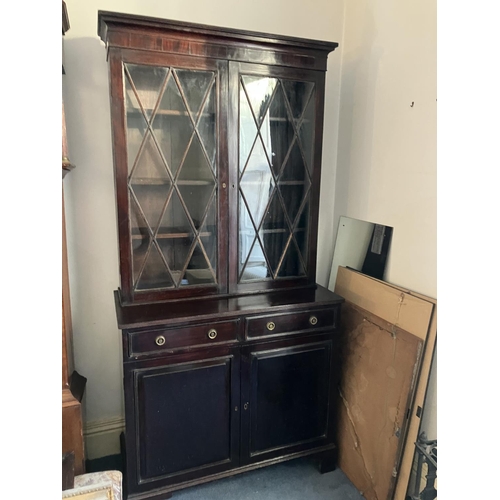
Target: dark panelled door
186	419
285	399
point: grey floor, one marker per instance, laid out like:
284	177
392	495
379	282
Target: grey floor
294	480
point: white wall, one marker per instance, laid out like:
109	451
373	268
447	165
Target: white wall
386	165
89	189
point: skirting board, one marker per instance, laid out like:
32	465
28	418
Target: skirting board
102	437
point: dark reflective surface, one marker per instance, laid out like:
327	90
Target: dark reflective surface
276	151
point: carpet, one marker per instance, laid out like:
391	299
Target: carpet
293	480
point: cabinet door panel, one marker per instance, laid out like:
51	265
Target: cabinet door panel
185	423
287	396
171	216
277	113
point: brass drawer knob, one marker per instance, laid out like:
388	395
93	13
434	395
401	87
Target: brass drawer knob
271	326
313	320
212	333
160	340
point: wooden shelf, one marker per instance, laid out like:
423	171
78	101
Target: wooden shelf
280	183
172	235
291	183
136	113
271	231
195	183
275	119
143	181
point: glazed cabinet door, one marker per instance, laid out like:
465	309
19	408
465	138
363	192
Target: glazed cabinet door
275	157
182	420
170	164
286	391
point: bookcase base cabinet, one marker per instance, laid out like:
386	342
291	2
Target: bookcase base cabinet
232	403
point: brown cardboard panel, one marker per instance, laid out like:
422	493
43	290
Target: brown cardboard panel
419	398
380	364
386	301
362	289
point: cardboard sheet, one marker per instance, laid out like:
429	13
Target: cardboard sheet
381	320
380	364
393	304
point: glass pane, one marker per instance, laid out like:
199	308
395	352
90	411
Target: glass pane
136	124
150	182
279	153
148	81
274	243
198	270
275	232
275	216
151	200
150	167
278	138
292	196
294	182
172	126
291	265
256	268
175	236
256	91
301	232
297	94
207	127
248	130
257	183
172	183
306	133
140	236
196	198
247	236
194	85
259	91
196	183
208	234
155	273
294	169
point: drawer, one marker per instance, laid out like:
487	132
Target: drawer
282	324
168	339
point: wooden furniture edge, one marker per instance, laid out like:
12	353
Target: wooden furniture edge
131	20
160	492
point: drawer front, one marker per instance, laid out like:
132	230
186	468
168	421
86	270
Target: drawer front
282	324
157	341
